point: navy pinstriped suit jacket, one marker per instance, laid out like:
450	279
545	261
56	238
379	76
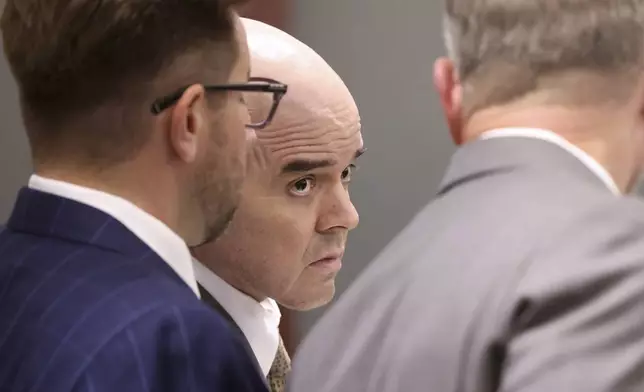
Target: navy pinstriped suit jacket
86	306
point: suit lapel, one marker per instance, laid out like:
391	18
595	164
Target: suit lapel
214	304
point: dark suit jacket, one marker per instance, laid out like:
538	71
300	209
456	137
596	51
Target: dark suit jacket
525	274
86	306
207	298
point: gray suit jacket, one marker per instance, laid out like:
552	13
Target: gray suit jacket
524	274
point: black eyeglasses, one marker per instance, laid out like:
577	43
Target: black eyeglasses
256	92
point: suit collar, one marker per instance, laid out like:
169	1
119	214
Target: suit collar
494	156
217	307
148	229
258	321
552	137
50	216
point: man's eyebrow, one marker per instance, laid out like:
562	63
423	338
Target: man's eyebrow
304	165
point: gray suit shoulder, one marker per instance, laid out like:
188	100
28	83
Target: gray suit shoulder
601	240
577	316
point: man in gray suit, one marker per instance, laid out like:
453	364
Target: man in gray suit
526	273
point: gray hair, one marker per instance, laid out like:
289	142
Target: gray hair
449	33
489	40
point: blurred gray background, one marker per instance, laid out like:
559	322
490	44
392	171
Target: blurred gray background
384	51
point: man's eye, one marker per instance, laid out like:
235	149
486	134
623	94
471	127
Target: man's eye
347	173
302	187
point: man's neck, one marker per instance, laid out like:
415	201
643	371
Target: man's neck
602	134
239	283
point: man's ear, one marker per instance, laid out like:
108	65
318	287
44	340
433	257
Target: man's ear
187	123
450	94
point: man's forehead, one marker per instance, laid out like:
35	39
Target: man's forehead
314	122
300	154
317	119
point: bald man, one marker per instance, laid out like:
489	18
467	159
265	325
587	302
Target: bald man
286	241
526	272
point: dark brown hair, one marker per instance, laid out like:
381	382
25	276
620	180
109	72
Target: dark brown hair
73	57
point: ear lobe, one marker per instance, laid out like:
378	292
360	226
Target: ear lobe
456	126
188	123
450	95
440	77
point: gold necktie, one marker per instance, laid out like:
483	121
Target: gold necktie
280	369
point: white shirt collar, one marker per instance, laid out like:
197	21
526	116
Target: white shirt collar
553	138
154	233
259	321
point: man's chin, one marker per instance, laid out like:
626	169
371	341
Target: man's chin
309	302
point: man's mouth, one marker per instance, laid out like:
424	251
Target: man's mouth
331	262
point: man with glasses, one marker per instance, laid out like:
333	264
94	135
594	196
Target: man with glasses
97	289
286	241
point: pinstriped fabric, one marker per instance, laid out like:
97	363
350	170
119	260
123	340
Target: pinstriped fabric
100	231
80	322
26	253
139	362
34	292
89	385
59	210
86	306
190	384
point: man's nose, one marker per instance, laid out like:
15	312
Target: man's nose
339	211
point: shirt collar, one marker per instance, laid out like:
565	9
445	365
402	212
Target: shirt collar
259	321
553	138
154	233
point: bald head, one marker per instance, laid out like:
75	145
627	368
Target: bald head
314	87
287	238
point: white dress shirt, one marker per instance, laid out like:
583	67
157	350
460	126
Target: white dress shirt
154	233
553	138
259	321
